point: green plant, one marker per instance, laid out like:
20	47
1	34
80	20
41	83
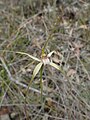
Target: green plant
45	60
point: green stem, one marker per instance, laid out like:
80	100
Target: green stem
46	42
43	49
41	85
50	36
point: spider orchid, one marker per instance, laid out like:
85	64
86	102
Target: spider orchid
45	60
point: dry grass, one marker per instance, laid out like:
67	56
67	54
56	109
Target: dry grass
25	26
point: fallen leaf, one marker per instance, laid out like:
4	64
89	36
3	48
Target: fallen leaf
83	27
77	48
56	59
71	72
4	110
49	102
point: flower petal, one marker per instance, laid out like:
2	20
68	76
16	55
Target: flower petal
34	58
57	67
36	70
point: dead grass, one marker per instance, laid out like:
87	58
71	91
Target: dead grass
25	26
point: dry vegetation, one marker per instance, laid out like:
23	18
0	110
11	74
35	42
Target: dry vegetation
25	26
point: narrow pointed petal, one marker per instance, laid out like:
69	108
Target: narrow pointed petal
34	58
36	70
57	67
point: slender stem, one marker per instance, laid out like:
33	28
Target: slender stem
49	37
43	49
41	85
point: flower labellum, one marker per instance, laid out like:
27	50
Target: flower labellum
45	59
